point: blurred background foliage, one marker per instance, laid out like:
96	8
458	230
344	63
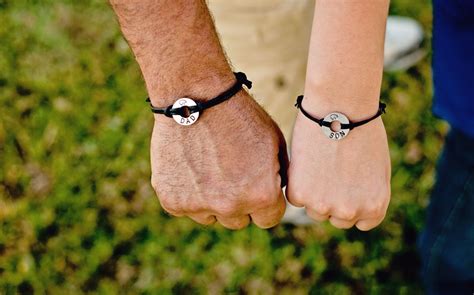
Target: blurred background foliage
77	213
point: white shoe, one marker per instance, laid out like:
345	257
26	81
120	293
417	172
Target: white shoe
403	38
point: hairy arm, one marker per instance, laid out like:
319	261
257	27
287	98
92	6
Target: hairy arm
176	46
346	181
225	167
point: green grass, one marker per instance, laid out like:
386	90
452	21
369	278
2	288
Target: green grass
77	213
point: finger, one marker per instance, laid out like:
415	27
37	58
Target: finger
316	216
368	224
270	216
373	216
294	197
174	214
204	219
341	223
166	206
234	222
283	158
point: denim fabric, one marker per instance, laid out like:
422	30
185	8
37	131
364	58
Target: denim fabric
447	243
453	61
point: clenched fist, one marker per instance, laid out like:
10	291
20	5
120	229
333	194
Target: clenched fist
225	167
346	181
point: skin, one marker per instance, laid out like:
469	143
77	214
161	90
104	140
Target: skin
226	166
346	182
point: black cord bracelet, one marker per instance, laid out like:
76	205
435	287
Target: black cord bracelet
185	111
345	124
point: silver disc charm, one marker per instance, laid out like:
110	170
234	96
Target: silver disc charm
192	118
335	135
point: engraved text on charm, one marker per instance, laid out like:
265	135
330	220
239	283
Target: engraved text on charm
192	118
333	134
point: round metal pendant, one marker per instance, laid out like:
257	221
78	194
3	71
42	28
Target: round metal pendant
192	118
341	133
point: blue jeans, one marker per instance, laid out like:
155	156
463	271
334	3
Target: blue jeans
446	244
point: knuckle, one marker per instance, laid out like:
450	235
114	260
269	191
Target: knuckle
209	220
266	225
226	210
264	201
316	216
342	224
168	204
378	212
363	226
234	224
280	209
347	214
238	226
269	217
295	196
376	209
337	225
270	221
322	208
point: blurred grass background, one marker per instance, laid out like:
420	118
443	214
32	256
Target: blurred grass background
77	213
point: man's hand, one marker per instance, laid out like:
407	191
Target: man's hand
225	166
346	181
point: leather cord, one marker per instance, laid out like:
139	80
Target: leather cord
169	111
351	125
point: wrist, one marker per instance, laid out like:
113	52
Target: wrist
355	97
199	85
186	110
355	108
176	46
213	118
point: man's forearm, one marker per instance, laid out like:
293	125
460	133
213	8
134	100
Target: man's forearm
199	171
346	57
176	46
